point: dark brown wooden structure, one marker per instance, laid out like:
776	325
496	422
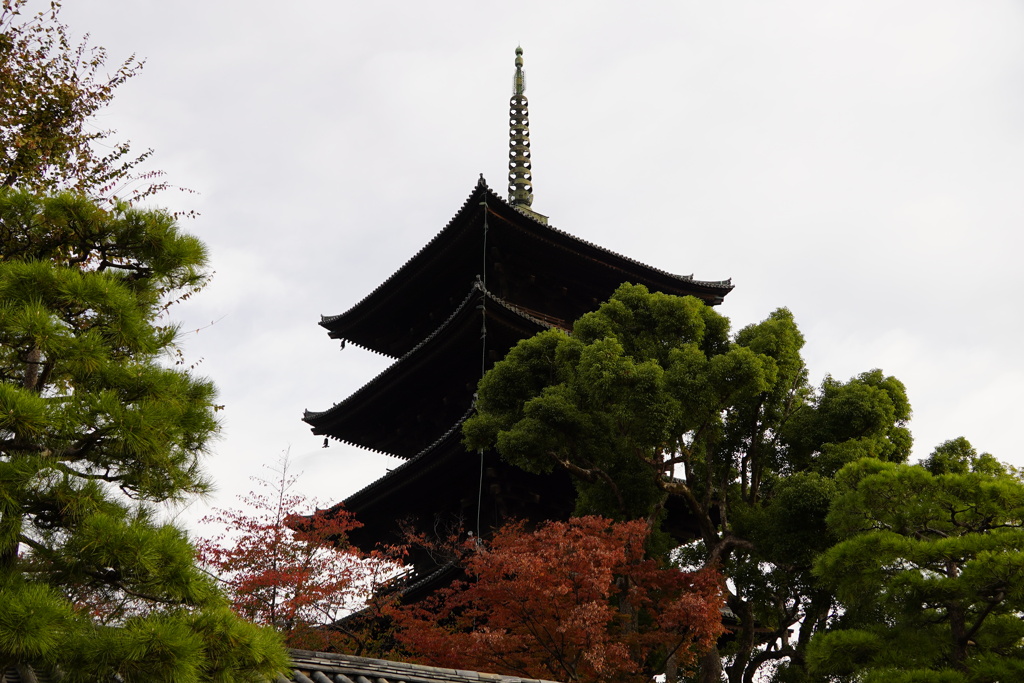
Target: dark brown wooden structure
492	276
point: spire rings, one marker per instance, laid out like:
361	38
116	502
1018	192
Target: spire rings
520	167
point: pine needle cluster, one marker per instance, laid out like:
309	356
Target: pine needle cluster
99	423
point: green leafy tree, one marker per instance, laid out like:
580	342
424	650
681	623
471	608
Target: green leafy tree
717	441
930	572
50	89
98	425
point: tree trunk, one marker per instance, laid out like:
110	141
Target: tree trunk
710	669
957	623
958	632
33	368
671	669
744	609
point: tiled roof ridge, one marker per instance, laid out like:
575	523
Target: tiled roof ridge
324	667
547	324
20	672
391	474
723	284
313	414
388	670
451	566
482	188
458	423
481	185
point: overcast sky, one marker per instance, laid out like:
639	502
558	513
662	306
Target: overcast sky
857	162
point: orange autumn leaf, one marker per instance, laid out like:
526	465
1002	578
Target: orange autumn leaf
571	601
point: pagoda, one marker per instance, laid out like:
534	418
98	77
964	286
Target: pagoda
496	274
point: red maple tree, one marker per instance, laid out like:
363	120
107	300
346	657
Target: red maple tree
571	601
288	565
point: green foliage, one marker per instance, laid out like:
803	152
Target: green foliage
931	559
652	406
862	418
97	425
957	456
790	524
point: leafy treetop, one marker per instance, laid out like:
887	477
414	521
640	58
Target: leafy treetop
50	90
653	407
288	566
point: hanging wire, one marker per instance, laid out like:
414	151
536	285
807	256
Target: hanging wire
483	359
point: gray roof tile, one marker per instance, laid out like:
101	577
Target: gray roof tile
351	669
326	667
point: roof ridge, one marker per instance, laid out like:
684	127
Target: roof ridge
494	201
372	668
477	290
311	414
481	186
684	278
400	469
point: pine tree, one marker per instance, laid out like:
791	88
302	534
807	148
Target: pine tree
98	424
929	569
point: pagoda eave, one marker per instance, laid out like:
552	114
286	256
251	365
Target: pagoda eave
489	239
447	487
415	399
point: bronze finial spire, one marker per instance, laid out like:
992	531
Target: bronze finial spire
519	80
520	172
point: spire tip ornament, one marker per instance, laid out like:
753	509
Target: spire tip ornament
520	167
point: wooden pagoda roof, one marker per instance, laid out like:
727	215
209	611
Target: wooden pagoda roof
531	265
411	473
420	396
447	484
